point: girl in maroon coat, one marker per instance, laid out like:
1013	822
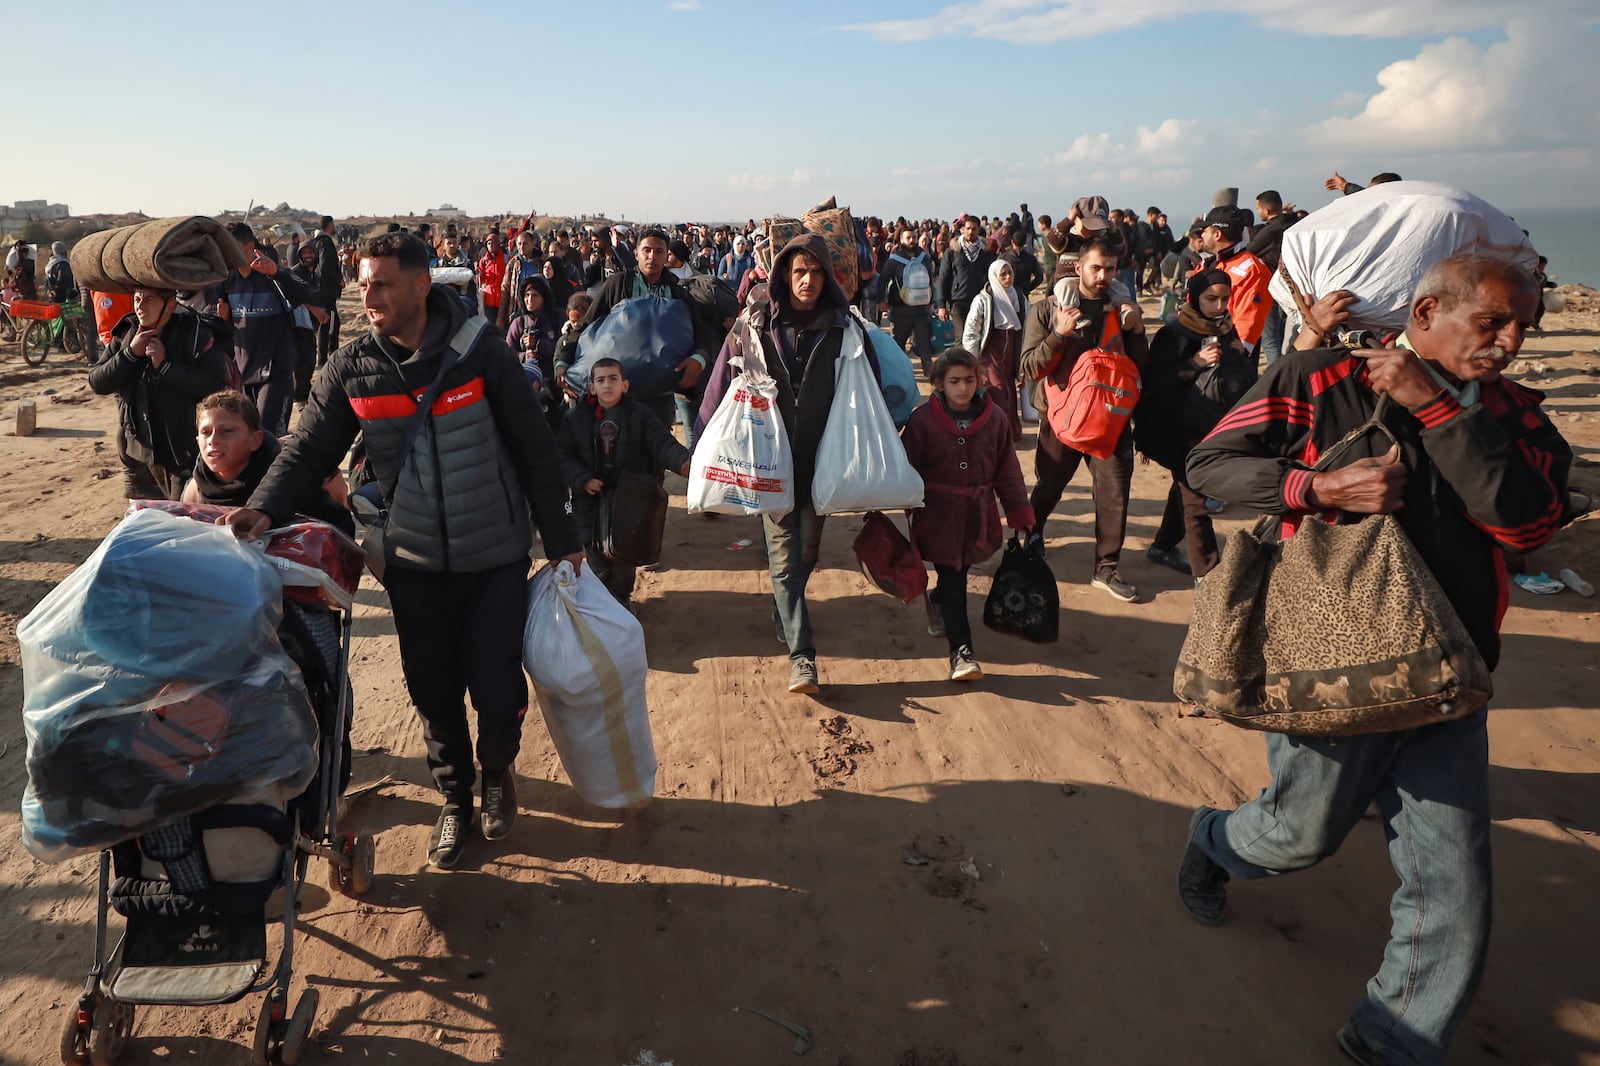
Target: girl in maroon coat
961	444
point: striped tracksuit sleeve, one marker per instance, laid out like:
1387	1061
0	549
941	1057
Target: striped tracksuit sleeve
1248	458
1510	473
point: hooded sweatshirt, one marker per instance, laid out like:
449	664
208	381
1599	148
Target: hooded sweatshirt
801	352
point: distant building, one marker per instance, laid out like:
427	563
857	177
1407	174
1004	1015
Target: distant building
447	211
42	210
23	212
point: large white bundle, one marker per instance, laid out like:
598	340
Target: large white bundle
1378	242
742	462
861	464
585	654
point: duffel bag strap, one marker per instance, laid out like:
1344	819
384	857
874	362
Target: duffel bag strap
1269	525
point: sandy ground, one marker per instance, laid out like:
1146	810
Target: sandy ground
769	873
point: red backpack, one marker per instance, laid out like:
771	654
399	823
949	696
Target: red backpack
1091	413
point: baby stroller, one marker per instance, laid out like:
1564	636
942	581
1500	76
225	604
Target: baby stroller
194	891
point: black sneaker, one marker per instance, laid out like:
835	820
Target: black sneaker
963	667
1355	1048
449	834
803	677
1201	881
1171	558
499	805
1112	582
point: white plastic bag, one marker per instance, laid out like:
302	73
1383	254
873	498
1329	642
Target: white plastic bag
861	464
585	654
1378	242
742	463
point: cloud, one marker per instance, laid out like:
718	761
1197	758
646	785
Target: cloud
1533	90
1049	21
686	5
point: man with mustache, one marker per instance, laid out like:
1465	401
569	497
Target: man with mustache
1479	470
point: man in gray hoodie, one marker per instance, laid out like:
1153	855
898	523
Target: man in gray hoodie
801	329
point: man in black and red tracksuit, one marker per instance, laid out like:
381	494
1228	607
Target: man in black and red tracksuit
1478	470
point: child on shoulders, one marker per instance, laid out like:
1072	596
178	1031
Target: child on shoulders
961	443
602	437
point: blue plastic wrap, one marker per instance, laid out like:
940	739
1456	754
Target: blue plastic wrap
154	687
898	380
649	336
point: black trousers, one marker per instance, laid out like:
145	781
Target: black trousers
1055	463
328	336
950	594
914	323
460	634
305	362
1186	519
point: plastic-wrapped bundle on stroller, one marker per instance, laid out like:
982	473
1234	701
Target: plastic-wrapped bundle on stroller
195	789
156	687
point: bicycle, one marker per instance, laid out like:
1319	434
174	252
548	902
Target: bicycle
38	324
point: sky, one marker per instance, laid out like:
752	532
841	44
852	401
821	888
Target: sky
669	110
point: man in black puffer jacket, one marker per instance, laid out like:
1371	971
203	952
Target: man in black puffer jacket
458	535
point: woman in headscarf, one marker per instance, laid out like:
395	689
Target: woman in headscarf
1198	369
20	271
534	330
735	263
59	284
994	332
554	272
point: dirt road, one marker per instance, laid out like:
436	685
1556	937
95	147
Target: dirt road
1041	811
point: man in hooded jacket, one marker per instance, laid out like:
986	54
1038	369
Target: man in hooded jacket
801	329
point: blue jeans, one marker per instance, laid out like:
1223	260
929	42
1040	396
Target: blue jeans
1432	787
685	410
1270	349
792	545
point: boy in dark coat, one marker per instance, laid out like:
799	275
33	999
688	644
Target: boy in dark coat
601	438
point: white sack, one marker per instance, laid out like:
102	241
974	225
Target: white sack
1378	242
861	464
742	462
585	654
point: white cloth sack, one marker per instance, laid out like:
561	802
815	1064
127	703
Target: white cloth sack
861	464
742	462
1378	242
585	654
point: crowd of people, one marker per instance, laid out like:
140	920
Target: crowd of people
488	320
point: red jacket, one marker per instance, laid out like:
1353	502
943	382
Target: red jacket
962	470
491	270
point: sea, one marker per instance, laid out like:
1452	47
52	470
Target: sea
1569	238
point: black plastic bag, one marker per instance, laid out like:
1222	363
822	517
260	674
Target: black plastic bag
1023	600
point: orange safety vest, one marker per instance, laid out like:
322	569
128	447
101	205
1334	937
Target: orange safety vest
1249	303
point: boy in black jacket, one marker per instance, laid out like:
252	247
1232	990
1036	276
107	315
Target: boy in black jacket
601	438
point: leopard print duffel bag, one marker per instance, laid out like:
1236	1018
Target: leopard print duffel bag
1336	631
